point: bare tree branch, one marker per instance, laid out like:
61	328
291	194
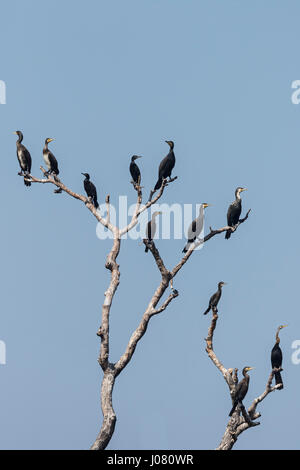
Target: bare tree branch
103	332
269	389
150	311
52	179
139	209
227	373
237	423
111	371
210	235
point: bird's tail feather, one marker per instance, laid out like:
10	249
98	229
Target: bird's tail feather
146	249
207	310
27	183
185	249
228	234
158	184
278	379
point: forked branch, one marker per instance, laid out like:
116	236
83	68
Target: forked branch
238	423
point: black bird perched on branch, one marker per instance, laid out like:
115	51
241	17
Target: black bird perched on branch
234	211
50	159
24	158
151	228
134	170
276	357
166	166
214	300
241	389
195	227
90	189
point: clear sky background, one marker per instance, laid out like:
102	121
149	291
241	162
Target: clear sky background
107	80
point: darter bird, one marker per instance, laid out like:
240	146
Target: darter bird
276	357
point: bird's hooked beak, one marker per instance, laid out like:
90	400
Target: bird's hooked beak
50	140
139	156
283	326
250	368
243	189
206	205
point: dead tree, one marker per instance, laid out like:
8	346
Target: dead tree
112	370
238	423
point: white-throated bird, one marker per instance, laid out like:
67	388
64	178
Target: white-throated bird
50	159
195	227
234	211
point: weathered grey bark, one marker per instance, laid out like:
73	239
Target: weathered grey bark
111	371
109	415
237	424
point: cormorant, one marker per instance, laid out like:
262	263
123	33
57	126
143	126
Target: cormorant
241	389
214	300
166	166
276	357
24	158
134	170
151	228
234	211
90	189
196	227
50	159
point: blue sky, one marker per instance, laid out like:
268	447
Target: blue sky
107	80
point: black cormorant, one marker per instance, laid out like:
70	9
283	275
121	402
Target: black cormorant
276	357
134	170
50	159
195	227
151	228
24	158
90	189
166	166
234	211
241	389
214	300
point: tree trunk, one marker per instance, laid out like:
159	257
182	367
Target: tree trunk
109	415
